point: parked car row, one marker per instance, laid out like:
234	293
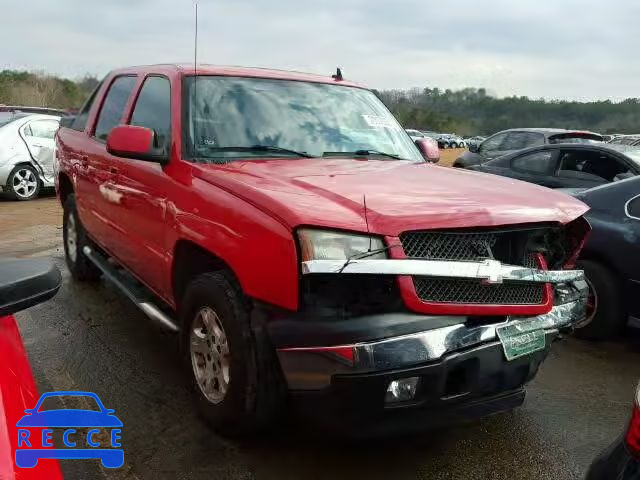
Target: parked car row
509	141
445	140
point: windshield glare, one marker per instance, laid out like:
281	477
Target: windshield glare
313	118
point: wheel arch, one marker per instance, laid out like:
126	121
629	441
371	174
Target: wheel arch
65	187
190	260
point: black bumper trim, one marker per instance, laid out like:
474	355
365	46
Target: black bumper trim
294	330
461	386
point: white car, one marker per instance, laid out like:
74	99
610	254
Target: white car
414	134
26	153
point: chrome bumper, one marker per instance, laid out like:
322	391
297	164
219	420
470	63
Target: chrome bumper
490	271
311	368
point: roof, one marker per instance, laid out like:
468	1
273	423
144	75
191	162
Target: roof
549	131
30	109
234	71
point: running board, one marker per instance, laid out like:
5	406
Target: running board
136	293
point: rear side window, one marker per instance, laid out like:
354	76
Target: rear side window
587	165
493	143
114	104
81	118
153	109
41	129
633	208
520	140
536	162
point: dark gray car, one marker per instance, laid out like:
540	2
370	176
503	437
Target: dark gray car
567	165
509	141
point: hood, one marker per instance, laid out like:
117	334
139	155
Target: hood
399	195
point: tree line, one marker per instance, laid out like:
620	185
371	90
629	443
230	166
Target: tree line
38	89
470	111
473	111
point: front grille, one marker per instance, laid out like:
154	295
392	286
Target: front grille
511	247
454	290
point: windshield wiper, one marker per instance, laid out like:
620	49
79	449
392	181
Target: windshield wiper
259	148
363	153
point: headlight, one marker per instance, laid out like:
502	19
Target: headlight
328	245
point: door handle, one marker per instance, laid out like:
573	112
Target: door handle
113	170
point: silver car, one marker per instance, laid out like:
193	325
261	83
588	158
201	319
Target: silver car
26	153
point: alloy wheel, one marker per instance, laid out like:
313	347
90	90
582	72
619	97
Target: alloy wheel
210	358
72	238
24	183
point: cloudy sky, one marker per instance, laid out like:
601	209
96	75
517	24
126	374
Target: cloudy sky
549	48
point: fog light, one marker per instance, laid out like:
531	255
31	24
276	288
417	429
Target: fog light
401	390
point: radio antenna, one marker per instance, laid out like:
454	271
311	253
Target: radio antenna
195	80
366	218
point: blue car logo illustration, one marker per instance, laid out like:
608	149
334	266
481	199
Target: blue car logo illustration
68	419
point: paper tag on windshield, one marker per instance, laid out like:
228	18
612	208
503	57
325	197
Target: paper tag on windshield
378	122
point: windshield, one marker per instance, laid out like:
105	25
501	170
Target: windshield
314	119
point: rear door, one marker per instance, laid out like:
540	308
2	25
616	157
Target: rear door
100	168
39	136
632	211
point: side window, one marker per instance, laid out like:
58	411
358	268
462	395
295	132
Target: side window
42	129
81	119
633	208
113	106
536	162
494	143
520	140
153	109
589	165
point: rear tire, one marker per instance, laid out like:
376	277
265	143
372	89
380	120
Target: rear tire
75	239
23	183
607	316
234	374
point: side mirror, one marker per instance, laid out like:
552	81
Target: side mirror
474	147
429	149
130	141
24	283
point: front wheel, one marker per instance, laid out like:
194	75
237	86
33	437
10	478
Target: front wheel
234	375
605	312
23	183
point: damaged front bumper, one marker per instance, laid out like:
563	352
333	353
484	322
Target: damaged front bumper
313	367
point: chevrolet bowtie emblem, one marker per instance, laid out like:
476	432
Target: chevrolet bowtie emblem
490	271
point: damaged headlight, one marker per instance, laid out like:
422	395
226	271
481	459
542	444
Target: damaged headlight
329	245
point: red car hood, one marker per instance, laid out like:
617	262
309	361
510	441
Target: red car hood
399	195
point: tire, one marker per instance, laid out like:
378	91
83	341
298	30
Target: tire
607	316
75	239
233	372
23	183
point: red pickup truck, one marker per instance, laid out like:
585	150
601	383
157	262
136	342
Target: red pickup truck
290	230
